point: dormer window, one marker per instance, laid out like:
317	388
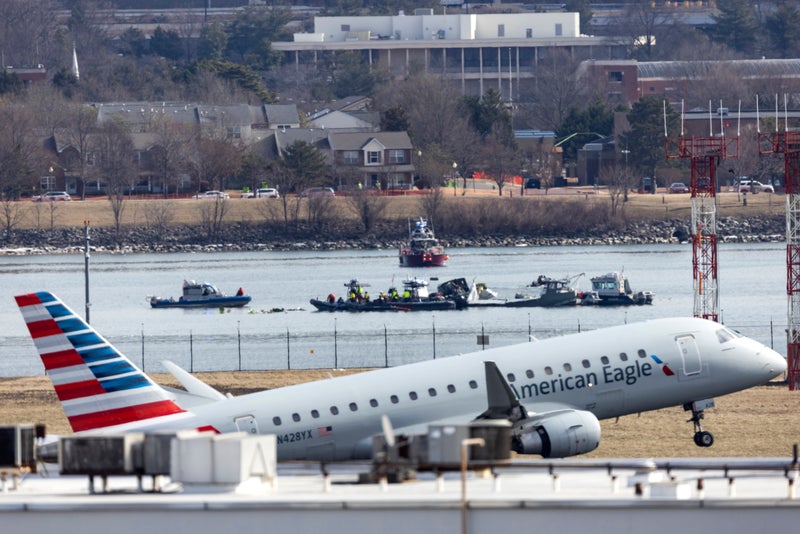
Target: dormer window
373	157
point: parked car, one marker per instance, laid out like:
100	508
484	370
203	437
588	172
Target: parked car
312	192
212	194
754	186
533	183
52	196
678	187
267	192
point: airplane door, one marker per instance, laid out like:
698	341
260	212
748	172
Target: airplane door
690	355
246	423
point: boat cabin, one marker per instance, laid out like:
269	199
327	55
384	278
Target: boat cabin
194	290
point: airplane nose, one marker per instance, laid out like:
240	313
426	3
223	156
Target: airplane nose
774	364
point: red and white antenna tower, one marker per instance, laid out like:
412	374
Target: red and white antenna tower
788	143
704	154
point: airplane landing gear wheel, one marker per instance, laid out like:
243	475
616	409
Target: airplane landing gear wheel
703	439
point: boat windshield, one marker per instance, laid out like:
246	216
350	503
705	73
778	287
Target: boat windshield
209	289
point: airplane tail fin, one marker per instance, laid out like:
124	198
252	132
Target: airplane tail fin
97	385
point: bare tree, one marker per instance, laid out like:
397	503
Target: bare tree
20	150
320	210
82	121
112	148
212	215
286	180
29	32
368	206
500	161
212	162
436	115
432	204
52	212
619	180
159	215
11	215
171	156
558	87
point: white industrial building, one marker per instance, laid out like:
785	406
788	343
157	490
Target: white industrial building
480	51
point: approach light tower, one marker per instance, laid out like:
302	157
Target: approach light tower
788	144
704	154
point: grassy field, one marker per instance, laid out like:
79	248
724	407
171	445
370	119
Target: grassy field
140	212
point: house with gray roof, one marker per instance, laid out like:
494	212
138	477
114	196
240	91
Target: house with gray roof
341	120
381	160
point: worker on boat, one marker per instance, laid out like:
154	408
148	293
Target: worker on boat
331	298
240	293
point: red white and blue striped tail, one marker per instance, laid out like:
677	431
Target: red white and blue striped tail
99	388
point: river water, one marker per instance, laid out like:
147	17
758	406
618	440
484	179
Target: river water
281	329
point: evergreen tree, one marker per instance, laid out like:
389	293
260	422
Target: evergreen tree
595	121
395	119
783	27
645	139
489	115
166	43
584	9
305	162
737	25
213	41
9	82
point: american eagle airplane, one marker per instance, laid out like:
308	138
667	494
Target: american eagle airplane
553	391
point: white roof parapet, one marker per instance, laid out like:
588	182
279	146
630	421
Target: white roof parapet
456	27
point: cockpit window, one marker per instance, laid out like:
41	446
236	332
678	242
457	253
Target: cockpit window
724	335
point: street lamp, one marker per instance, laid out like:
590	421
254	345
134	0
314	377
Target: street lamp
455	180
625	181
419	169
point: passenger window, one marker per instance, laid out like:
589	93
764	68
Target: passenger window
529	373
373	403
548	370
623	356
412	395
334	410
432	392
586	364
604	360
642	353
276	421
296	417
394	399
353	407
511	377
451	388
568	367
315	414
473	384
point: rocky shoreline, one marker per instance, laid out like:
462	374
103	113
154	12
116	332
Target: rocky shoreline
264	237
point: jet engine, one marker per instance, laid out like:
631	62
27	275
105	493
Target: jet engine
557	434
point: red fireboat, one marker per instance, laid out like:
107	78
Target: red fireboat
423	249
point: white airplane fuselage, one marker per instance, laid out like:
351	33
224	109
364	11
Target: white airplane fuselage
609	372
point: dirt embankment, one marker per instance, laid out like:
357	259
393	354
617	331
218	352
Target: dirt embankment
555	217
